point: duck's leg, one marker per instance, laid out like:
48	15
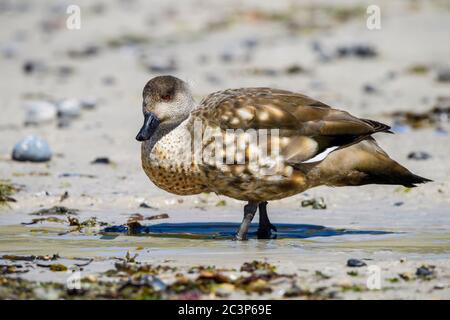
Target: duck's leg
264	223
249	212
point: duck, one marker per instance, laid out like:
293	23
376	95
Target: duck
257	145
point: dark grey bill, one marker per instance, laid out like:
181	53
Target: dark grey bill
151	122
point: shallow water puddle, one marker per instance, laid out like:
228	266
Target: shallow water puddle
227	230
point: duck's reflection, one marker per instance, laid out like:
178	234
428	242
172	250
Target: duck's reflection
226	230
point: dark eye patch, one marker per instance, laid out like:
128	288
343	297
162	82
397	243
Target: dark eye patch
166	97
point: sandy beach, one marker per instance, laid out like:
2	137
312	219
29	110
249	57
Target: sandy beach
403	234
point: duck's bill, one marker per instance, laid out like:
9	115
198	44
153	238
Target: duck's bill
151	123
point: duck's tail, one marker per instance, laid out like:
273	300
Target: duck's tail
364	163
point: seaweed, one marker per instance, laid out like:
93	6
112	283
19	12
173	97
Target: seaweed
7	189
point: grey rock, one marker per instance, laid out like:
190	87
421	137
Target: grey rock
419	155
355	263
38	112
70	108
32	148
443	75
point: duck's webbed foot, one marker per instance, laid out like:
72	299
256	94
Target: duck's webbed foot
249	212
265	226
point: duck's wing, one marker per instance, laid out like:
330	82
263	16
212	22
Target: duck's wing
308	129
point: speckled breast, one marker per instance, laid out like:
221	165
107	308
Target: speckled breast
166	168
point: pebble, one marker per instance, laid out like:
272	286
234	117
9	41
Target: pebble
30	67
419	155
358	50
89	103
443	75
369	89
101	160
38	112
32	148
355	263
70	108
425	271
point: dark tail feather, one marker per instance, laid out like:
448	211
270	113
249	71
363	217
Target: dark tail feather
397	176
378	126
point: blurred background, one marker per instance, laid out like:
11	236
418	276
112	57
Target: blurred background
79	90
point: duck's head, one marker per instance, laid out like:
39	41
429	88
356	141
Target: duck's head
167	101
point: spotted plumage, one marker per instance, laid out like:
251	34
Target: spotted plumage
257	144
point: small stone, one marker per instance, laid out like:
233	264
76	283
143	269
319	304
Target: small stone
369	89
69	108
419	155
101	160
33	149
88	103
425	271
224	290
406	276
30	67
355	263
439	286
443	75
315	203
38	112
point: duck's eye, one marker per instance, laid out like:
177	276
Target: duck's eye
166	97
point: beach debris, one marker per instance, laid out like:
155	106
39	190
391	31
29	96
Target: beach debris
363	51
419	155
418	69
129	258
158	216
39	112
30	258
146	206
257	265
55	210
33	66
69	108
46	219
32	148
437	115
127	40
407	276
221	203
54	267
77	175
7	189
355	263
370	89
86	52
271	72
314	203
101	160
322	275
425	271
443	75
64	196
88	103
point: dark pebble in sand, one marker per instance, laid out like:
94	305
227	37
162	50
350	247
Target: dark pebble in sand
424	271
101	160
359	51
370	89
419	155
33	149
355	263
30	67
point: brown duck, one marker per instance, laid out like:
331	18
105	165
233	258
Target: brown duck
257	145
